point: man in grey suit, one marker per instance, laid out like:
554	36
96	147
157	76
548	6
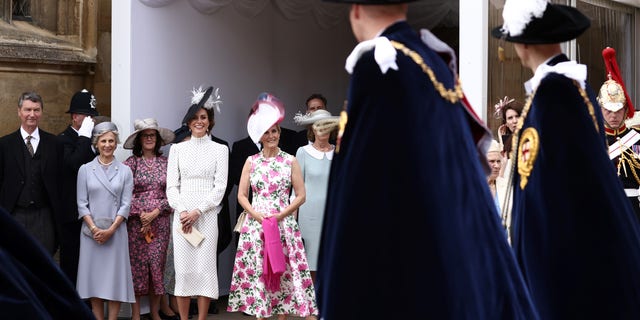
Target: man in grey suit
30	162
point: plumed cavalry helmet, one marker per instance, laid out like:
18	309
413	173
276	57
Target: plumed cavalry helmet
613	95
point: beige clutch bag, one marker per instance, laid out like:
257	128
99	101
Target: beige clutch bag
195	237
241	218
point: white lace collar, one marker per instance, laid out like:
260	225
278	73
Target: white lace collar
317	153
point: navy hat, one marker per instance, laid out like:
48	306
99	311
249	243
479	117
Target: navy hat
83	102
196	106
371	1
181	133
558	23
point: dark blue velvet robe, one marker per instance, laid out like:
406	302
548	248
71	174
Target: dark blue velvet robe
574	232
32	286
404	146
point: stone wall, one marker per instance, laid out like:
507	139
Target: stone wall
66	48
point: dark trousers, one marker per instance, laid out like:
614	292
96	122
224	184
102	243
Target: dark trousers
39	223
70	249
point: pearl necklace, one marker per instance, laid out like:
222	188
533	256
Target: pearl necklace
105	164
153	161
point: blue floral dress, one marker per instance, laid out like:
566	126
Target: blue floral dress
271	184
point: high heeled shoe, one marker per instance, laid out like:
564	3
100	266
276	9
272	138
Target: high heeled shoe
165	316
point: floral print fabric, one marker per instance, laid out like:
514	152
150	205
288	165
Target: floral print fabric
148	259
271	184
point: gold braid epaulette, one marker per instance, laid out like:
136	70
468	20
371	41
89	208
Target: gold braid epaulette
452	95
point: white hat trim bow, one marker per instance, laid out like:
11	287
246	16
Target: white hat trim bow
384	54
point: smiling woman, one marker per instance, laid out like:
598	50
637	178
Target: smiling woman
196	184
104	196
264	281
149	223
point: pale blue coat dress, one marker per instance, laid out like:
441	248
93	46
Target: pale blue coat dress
315	167
104	270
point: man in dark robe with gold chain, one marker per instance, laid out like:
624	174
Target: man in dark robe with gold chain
574	233
623	141
404	87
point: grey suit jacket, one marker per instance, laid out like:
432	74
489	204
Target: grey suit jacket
104	194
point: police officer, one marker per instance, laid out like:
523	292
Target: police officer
76	139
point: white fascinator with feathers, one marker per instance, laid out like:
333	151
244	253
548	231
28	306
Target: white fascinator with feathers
213	99
202	98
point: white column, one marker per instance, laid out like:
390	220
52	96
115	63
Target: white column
474	32
121	71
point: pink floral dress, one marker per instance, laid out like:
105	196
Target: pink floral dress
271	184
148	259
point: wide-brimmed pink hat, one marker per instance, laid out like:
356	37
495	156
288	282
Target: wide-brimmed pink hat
266	111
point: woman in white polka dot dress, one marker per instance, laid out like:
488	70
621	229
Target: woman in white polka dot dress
196	181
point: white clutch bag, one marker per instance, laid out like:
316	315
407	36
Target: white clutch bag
194	238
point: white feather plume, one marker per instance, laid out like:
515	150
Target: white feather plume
300	117
518	13
213	101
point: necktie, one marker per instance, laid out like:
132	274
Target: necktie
29	145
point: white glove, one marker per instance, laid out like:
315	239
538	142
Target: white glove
86	127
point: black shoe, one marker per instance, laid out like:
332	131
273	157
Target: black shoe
213	308
246	314
165	316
